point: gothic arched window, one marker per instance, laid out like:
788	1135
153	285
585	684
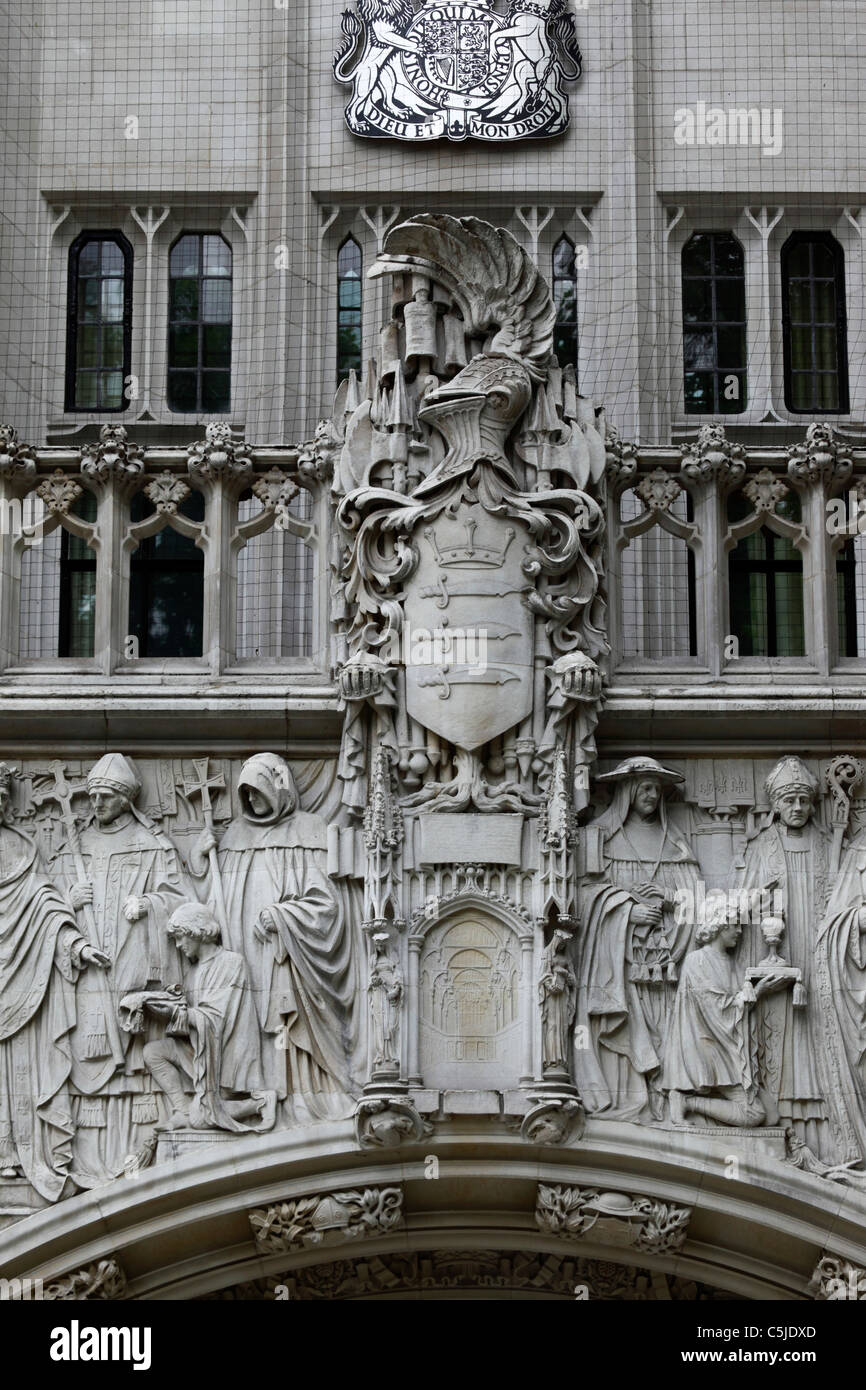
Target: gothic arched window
765	575
564	279
813	323
77	585
349	266
98	322
714	324
166	585
199	324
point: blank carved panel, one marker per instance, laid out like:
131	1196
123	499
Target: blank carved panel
469	1004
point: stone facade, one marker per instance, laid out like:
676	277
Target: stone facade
504	852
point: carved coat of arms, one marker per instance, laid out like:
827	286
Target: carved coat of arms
472	678
453	70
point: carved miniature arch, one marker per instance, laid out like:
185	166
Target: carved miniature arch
477	900
765	490
167	492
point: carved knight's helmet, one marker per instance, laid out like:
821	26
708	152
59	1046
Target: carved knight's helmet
505	301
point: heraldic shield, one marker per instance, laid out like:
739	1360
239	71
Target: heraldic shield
468	630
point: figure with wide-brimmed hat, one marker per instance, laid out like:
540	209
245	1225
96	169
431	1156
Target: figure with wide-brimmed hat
635	933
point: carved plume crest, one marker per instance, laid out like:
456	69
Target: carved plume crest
492	279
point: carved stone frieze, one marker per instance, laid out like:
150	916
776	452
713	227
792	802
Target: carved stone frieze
102	1280
294	1225
642	1223
458	912
483	1271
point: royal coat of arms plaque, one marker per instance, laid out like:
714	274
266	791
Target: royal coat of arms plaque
458	70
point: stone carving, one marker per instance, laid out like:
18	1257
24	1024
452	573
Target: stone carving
124	880
471	554
102	1280
553	1122
788	860
290	1226
113	457
764	490
620	458
820	458
834	1279
659	1228
211	1032
218	455
712	457
840	979
557	993
166	491
383	836
633	941
658	490
799	1155
558	836
385	991
286	920
42	953
276	490
17	460
317	457
58	492
387	1122
707	1069
507	1271
457	70
562	954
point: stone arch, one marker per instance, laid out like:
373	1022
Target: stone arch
185	1230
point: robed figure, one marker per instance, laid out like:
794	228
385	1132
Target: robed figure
787	870
42	953
840	982
211	1035
707	1063
634	904
557	994
133	883
288	922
